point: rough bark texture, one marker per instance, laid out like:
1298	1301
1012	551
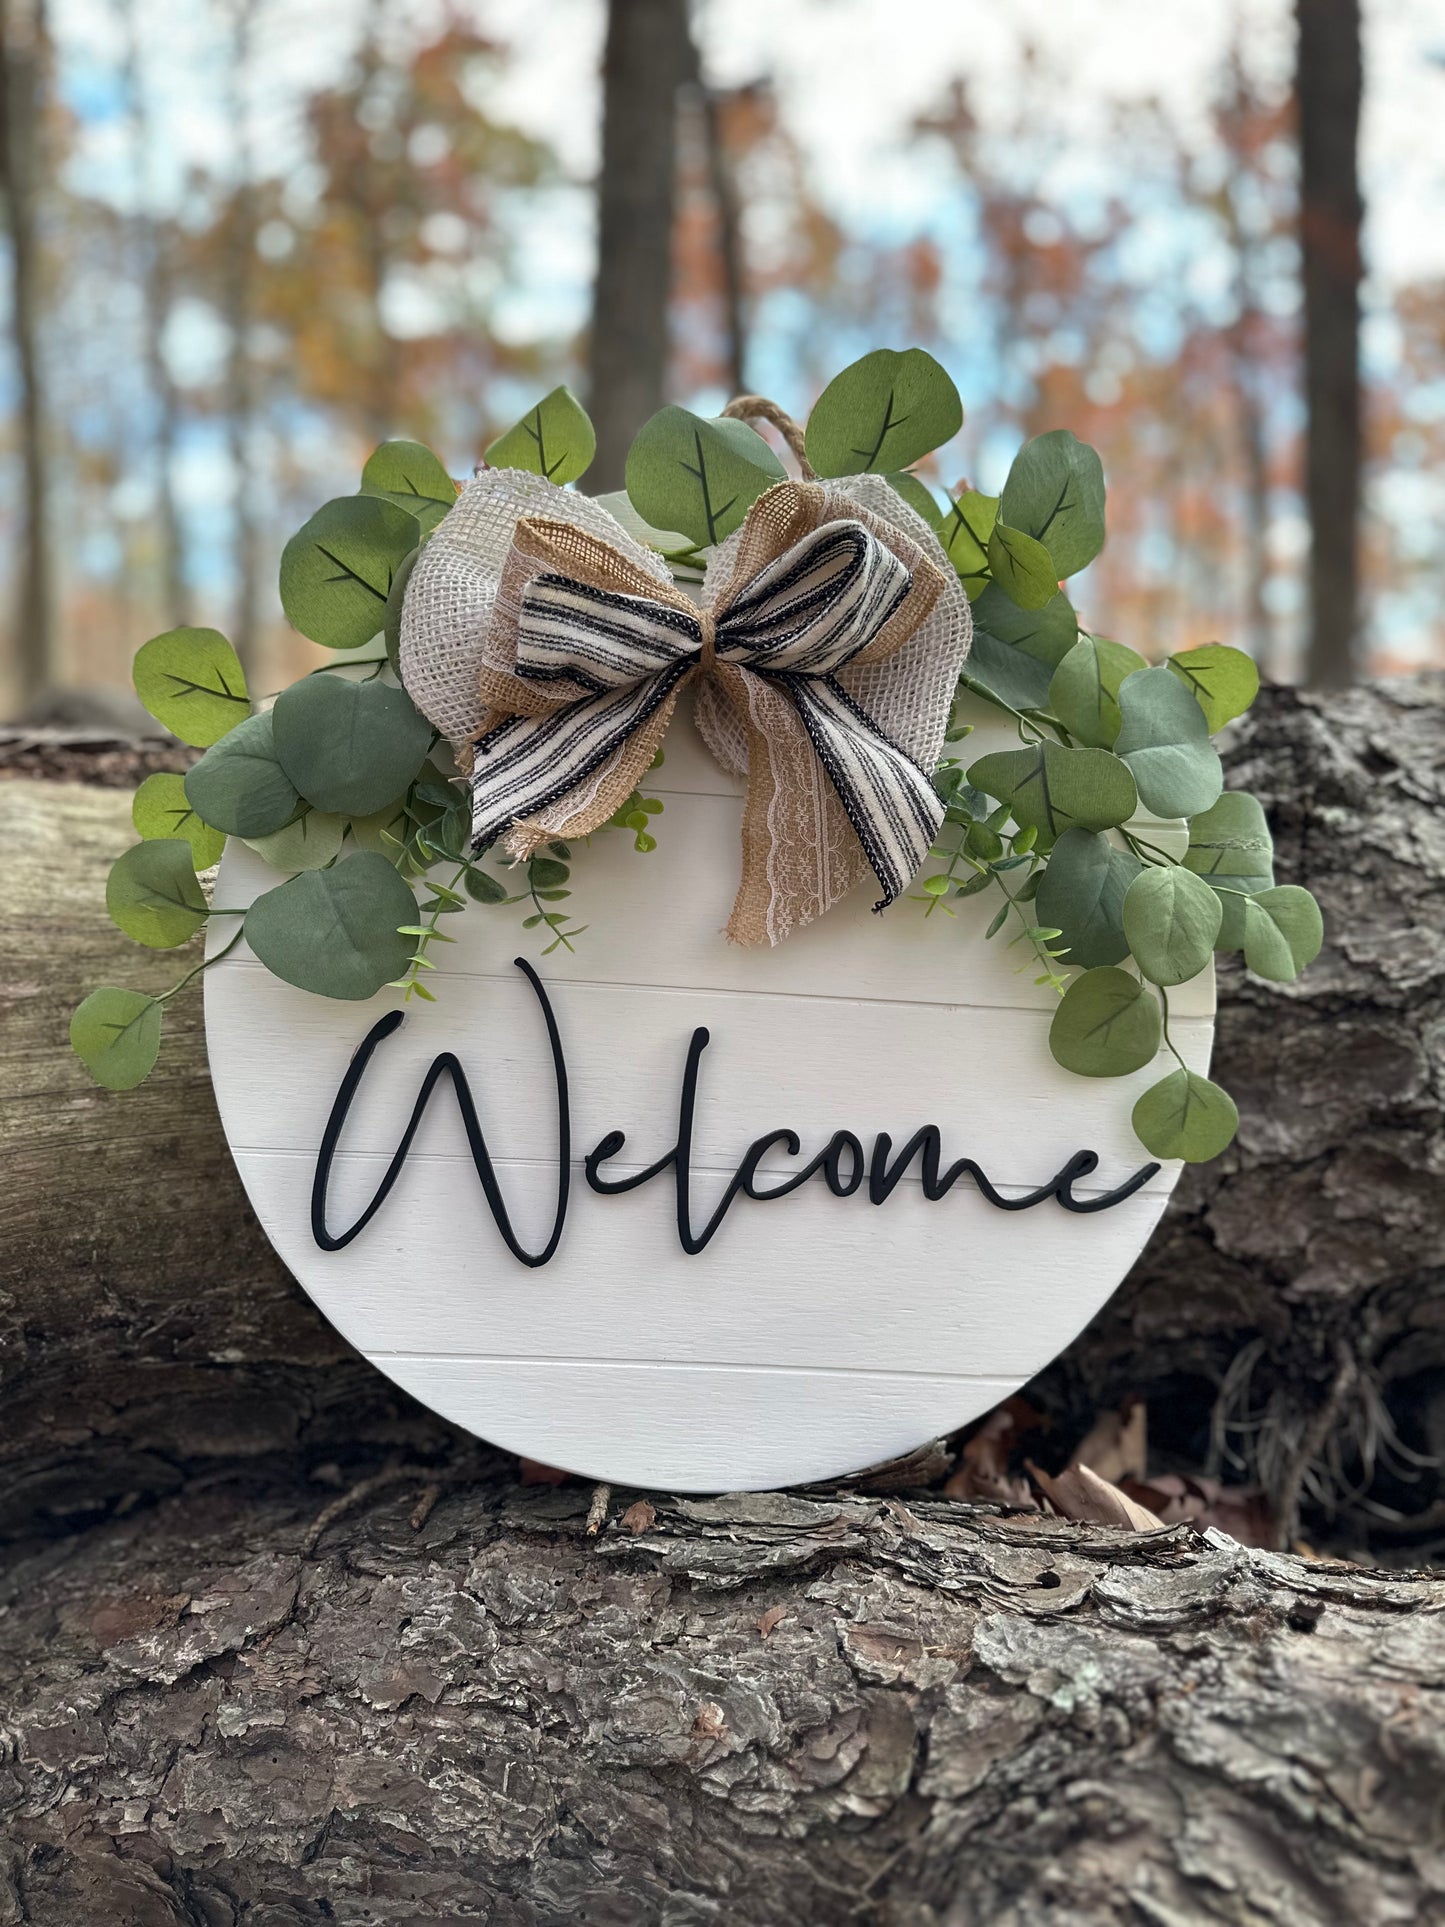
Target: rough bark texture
277	1647
1306	1267
766	1710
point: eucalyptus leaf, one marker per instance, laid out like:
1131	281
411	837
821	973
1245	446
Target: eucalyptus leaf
1171	918
1107	1025
309	843
162	809
1084	692
1164	739
555	439
1055	493
1231	841
1185	1116
1052	789
1046	634
1081	894
1223	681
391	620
349	747
743	439
698	476
1005	675
884	412
965	532
370	831
1021	567
452	832
482	887
919	497
153	895
335	932
410	477
619	507
239	786
1231	922
337	571
1280	931
117	1036
192	682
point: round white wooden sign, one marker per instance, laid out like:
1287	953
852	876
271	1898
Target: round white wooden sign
814	1333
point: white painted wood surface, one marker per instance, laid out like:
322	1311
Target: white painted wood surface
815	1334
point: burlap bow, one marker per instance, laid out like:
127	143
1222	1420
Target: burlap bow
824	647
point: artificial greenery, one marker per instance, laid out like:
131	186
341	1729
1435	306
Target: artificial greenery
1116	856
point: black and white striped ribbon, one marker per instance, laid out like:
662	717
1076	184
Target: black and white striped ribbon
800	620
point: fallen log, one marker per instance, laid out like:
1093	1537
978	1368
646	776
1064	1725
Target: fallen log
761	1710
1287	1324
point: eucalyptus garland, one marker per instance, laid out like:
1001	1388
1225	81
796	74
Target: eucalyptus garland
1119	863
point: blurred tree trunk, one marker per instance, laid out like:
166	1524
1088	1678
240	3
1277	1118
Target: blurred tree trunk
1242	109
728	215
648	57
239	265
151	253
24	52
367	191
1329	83
730	240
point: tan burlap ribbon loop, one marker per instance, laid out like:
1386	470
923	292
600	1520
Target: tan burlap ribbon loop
824	648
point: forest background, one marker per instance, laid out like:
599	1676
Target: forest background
245	241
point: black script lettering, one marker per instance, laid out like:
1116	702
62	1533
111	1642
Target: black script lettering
842	1161
883	1177
1079	1166
680	1158
829	1162
447	1065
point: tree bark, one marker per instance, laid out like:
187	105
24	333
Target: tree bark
151	255
1248	238
445	1701
149	1337
1329	85
647	58
24	55
728	215
239	272
1320	1232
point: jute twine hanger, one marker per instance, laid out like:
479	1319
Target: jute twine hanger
757	408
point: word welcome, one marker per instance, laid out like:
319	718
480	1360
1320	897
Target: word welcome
842	1162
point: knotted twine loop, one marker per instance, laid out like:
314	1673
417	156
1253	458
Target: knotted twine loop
757	408
707	654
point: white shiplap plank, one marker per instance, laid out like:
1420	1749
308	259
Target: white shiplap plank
812	1065
810	1279
694	1428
